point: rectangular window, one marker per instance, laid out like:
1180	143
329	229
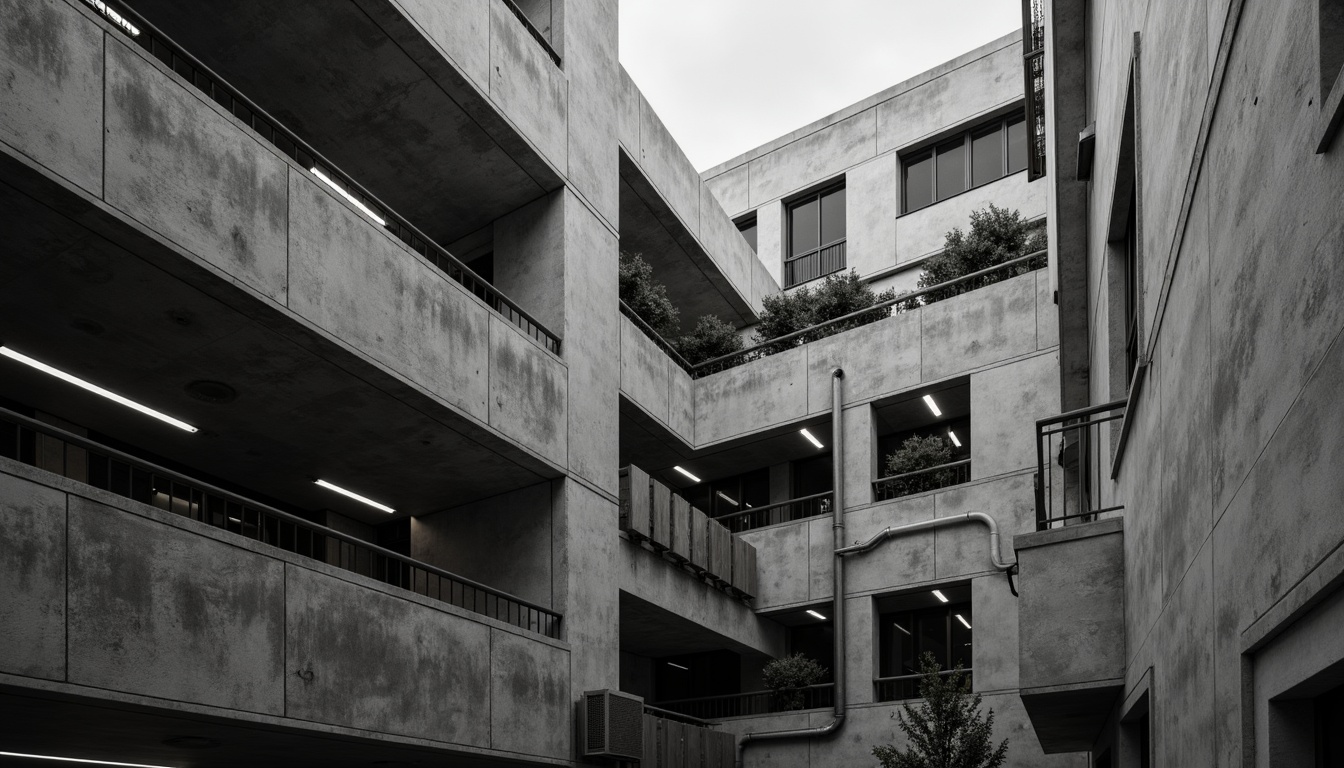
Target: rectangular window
1017	145
816	236
979	156
987	152
938	622
747	227
918	181
736	494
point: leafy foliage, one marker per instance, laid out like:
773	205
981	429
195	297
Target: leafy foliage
996	235
646	296
947	730
787	677
918	453
711	338
837	295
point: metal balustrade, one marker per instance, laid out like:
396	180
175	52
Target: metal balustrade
906	686
1072	460
161	47
817	696
780	512
811	266
40	445
928	479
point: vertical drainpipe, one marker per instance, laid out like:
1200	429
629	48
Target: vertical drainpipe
838	538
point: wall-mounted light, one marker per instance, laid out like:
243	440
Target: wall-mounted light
355	496
349	197
815	615
726	498
963	621
79	760
694	479
953	435
678	666
928	400
939	595
94	388
809	436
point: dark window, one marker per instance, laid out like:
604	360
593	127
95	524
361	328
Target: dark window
1329	708
748	229
735	494
816	642
979	156
918	181
1131	293
812	476
816	236
1017	145
951	168
910	626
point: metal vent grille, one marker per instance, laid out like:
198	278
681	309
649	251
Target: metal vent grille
613	725
597	722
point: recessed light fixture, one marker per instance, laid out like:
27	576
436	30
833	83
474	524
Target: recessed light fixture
688	474
349	197
963	621
815	615
939	595
903	629
809	436
354	496
727	498
928	400
953	435
79	760
94	388
678	666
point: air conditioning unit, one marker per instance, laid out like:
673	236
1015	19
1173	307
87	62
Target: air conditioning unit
611	725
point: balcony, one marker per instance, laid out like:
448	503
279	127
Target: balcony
753	703
1074	456
801	508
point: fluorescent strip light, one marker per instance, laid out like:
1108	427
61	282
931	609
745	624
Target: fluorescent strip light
903	629
939	595
678	666
814	614
928	400
115	18
688	474
953	435
809	436
963	620
355	496
79	760
97	390
351	198
726	498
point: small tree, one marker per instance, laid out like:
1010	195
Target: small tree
711	338
947	729
996	235
836	295
646	296
788	676
918	453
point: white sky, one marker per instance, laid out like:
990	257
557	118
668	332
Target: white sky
729	75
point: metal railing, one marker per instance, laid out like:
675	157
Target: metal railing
754	702
40	445
532	30
667	714
1072	458
811	266
668	347
905	686
928	479
1033	74
161	47
780	512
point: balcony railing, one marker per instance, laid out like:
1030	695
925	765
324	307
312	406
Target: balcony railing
928	479
40	445
1072	461
754	702
780	512
273	132
904	686
811	266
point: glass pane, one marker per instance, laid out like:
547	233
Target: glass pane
756	488
918	182
986	157
749	234
951	169
1017	145
833	217
803	234
931	636
961	636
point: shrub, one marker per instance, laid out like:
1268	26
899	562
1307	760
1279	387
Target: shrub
996	235
646	296
788	676
837	295
711	338
918	453
947	729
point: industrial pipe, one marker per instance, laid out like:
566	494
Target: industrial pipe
939	522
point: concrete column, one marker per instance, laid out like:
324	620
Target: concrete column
860	455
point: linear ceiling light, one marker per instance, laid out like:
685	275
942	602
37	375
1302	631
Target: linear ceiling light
953	435
678	666
79	760
939	595
353	200
809	436
355	496
815	615
726	498
903	629
963	620
688	474
928	400
97	390
115	18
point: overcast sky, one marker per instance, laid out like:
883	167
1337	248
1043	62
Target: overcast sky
730	75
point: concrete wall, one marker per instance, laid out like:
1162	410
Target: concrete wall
659	386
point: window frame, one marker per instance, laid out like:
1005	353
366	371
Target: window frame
948	611
749	222
966	138
814	196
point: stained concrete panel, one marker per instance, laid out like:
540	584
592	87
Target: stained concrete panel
725	244
964	549
1142	474
977	86
528	388
906	559
627	114
32	568
751	397
587	570
461	30
870	215
820	558
52	107
780	549
994	651
681	404
987	325
812	158
192	174
529	259
763	283
1183	669
924	231
668	168
644	371
860	455
879	359
527	86
349	278
770	239
590	66
1006	401
160	611
1047	312
860	634
730	189
529	696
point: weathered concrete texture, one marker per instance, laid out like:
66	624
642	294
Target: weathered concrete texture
878	359
860	650
586	586
770	238
725	244
529	259
994	654
813	158
861	460
730	189
1005	403
924	231
32	568
529	708
645	371
1144	587
527	86
628	108
51	108
1047	313
974	329
184	169
461	28
159	611
780	549
591	67
348	277
1183	668
668	167
527	392
964	549
907	559
751	397
871	204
